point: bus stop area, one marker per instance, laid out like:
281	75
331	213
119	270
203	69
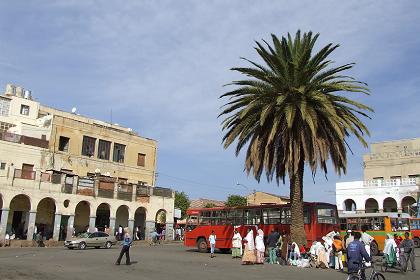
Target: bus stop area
167	261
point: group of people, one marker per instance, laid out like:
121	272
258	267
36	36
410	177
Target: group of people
354	249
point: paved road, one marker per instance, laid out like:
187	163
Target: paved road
170	261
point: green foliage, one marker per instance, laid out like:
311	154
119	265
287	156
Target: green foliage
209	205
236	200
182	202
292	108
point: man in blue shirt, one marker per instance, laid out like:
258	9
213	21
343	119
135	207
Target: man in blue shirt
356	252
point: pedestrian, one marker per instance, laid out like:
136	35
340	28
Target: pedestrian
7	240
273	239
125	248
39	239
163	234
120	233
338	252
259	245
356	252
367	239
407	252
136	229
236	245
107	230
284	247
249	256
212	241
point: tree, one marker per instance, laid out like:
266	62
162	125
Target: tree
291	112
236	200
209	205
182	202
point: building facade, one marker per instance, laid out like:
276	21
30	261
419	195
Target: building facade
391	180
62	173
261	198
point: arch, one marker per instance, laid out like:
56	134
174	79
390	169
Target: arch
140	222
390	205
45	214
81	216
371	206
103	213
18	219
122	215
406	203
349	205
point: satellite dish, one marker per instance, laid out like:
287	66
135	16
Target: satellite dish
73	110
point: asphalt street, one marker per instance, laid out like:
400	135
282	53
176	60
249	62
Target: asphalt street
169	261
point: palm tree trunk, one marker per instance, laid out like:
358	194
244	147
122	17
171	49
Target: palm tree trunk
297	229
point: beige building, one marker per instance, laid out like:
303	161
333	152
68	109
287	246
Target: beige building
61	172
261	198
391	179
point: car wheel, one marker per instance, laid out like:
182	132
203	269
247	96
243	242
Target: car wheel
82	245
108	245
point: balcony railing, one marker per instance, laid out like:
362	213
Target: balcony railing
162	192
21	139
390	182
106	189
86	186
125	192
24	174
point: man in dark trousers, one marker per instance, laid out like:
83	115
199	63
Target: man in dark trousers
126	248
407	252
356	252
272	240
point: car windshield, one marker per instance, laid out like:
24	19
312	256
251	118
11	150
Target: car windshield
83	235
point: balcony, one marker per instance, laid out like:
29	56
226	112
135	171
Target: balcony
106	189
21	139
165	192
125	192
24	174
86	186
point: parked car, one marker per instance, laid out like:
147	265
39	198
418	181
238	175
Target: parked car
96	240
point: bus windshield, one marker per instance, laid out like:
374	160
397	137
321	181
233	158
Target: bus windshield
192	221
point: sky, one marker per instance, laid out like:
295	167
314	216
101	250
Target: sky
159	68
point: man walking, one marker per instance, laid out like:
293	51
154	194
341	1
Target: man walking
407	252
126	248
272	240
212	241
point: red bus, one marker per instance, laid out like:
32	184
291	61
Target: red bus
320	218
415	230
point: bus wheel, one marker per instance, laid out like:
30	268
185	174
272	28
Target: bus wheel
374	250
202	245
416	242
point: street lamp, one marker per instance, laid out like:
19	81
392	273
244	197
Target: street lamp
253	191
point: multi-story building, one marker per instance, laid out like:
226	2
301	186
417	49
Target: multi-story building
62	173
391	179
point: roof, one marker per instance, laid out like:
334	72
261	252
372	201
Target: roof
276	195
201	202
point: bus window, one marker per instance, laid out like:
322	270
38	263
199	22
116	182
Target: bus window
286	217
399	224
205	218
326	216
252	216
192	222
306	216
274	216
234	217
415	224
218	217
378	223
265	216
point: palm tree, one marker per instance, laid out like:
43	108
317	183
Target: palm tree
293	114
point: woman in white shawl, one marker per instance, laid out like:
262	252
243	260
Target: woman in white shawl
249	252
236	245
259	244
390	245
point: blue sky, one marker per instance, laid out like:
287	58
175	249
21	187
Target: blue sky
160	67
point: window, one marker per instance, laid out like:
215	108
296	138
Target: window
24	110
326	216
5	126
2	166
141	160
218	217
63	144
4	106
252	216
286	216
104	148
234	217
119	151
306	216
102	234
205	217
271	216
88	146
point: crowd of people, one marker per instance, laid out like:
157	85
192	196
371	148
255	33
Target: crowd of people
335	252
